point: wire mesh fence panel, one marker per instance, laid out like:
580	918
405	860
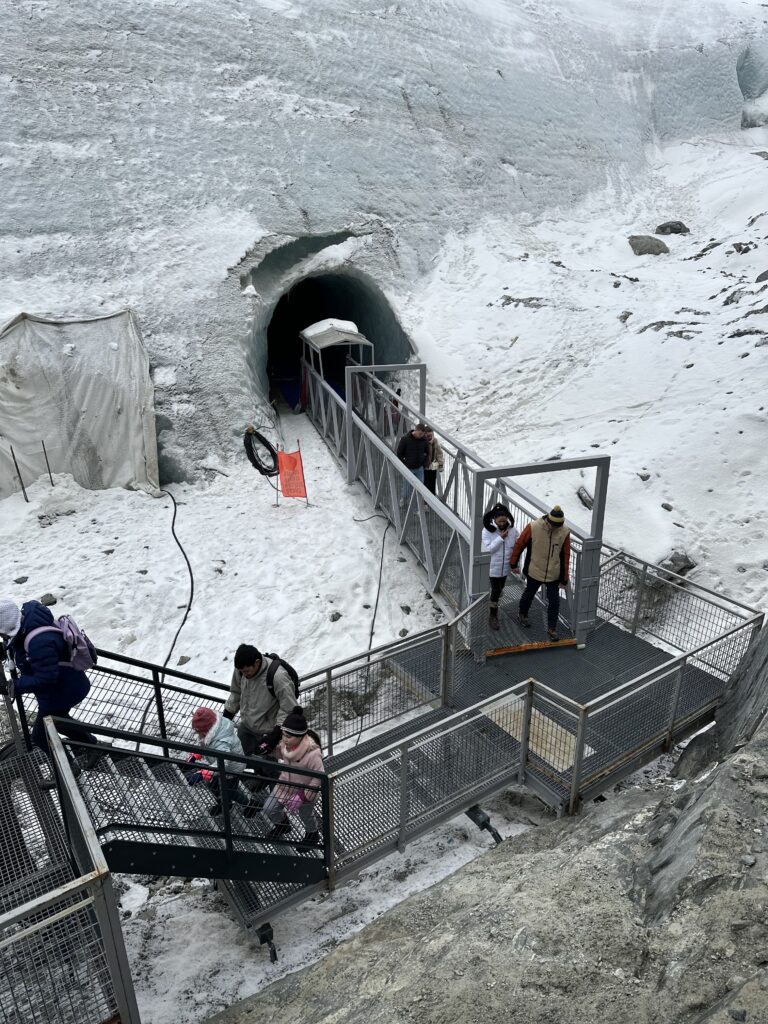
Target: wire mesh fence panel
366	807
721	657
56	973
451	584
53	962
619	593
379	801
552	741
617	733
375	692
654	603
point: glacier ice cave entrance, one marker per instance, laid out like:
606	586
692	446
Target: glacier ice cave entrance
343	296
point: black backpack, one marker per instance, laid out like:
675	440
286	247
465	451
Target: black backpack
276	663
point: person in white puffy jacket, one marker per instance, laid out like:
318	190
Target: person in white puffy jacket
499	536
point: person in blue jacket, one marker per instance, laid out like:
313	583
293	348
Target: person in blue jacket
43	669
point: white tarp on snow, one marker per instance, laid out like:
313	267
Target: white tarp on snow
83	388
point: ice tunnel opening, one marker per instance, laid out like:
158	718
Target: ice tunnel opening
343	296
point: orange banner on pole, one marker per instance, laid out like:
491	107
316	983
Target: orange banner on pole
291	474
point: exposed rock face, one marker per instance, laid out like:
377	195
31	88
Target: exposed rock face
672	227
679	562
647	245
643	910
752	75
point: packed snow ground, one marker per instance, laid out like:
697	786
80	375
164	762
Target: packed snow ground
549	338
517	381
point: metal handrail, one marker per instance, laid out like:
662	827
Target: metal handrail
639	681
460	447
682	583
443	727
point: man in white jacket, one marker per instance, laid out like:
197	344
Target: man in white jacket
499	536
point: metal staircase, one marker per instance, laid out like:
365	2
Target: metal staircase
149	820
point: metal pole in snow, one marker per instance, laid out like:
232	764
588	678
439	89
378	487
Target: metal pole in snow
277	485
47	464
18	473
306	496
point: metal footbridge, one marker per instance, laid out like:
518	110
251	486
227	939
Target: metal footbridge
414	732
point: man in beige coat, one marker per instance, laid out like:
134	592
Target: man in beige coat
547	544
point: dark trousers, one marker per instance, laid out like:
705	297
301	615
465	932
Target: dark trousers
553	599
231	789
497	585
251	741
70	728
430	480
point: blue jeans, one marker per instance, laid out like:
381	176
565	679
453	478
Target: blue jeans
405	487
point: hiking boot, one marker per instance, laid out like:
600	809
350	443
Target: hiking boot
215	809
311	839
93	757
280	830
552	634
524	620
493	621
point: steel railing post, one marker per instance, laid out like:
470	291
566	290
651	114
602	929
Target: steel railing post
577	761
404	793
224	797
157	686
105	908
329	709
674	704
448	663
348	378
640	592
329	832
525	731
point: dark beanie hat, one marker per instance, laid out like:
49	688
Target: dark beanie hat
295	724
556	516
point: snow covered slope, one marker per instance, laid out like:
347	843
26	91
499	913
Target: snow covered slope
155	152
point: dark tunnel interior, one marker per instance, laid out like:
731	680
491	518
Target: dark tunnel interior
343	297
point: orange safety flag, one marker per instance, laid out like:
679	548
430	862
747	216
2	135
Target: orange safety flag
291	474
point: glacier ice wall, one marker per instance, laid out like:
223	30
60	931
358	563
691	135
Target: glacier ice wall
157	155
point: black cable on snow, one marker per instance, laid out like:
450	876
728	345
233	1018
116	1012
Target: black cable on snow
381	569
191	576
187	610
378	588
266	466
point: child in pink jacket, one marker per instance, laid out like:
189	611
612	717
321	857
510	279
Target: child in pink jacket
299	748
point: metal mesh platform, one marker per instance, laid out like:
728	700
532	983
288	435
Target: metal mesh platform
53	967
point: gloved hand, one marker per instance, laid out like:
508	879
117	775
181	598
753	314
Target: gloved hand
204	775
294	802
228	714
271	740
191	758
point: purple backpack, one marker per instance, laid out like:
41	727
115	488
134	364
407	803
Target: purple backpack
82	653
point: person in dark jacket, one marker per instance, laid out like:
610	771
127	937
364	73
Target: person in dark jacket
44	670
413	452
